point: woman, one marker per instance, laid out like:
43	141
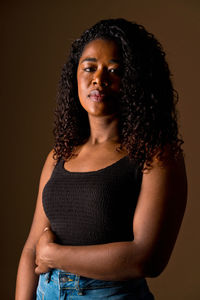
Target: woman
113	190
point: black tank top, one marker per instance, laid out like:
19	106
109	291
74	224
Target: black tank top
96	207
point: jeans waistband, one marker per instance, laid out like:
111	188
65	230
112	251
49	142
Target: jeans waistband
76	281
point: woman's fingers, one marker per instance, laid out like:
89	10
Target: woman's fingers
41	269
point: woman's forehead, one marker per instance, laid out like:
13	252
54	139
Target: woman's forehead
99	47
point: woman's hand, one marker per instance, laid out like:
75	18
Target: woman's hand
43	246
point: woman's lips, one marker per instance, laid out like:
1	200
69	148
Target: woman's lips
96	96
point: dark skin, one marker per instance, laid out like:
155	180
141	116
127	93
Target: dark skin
161	202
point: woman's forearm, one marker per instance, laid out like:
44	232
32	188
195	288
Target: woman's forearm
113	261
26	278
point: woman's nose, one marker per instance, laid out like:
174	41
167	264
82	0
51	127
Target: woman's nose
101	78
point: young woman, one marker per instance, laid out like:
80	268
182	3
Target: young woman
113	189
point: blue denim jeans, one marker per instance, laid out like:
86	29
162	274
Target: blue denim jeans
58	284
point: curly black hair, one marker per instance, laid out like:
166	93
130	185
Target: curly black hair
148	115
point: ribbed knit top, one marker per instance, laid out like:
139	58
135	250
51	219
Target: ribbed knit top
96	207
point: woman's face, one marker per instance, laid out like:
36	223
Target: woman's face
98	77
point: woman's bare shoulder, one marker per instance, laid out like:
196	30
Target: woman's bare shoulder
50	160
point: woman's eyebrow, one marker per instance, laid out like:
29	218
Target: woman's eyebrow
95	60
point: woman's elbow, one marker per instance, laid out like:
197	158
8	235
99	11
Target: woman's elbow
153	269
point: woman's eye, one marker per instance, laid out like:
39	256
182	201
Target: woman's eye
116	71
88	69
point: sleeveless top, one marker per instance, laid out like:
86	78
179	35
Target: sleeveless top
95	207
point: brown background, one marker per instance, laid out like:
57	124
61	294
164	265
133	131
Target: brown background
34	44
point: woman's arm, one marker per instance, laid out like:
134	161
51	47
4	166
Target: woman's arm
26	277
156	223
